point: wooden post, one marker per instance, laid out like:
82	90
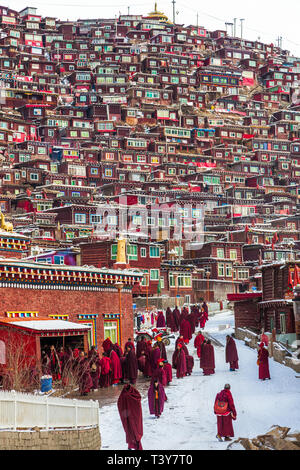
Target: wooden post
147	291
232	275
273	339
120	287
207	287
176	291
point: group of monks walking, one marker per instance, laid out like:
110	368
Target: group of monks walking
153	363
118	367
185	322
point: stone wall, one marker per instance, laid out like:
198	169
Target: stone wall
81	439
161	303
277	352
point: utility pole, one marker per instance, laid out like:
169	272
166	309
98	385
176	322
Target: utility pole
234	22
241	20
173	2
197	19
279	40
128	10
229	24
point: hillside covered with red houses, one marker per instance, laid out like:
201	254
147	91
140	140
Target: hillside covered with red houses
183	141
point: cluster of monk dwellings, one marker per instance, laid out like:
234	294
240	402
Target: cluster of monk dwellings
129	128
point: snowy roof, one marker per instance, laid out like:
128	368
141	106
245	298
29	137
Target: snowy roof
39	265
12	234
49	325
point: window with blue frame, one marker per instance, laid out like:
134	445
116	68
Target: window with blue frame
80	218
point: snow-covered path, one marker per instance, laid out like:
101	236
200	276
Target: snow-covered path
188	421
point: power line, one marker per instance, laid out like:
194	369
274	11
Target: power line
224	21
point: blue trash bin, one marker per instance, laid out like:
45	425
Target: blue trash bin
46	383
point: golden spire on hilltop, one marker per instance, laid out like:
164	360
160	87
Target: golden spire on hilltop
157	15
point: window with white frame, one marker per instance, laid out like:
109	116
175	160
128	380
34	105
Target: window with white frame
220	270
154	274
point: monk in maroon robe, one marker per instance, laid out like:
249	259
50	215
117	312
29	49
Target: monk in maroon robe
189	364
196	312
140	347
84	377
170	319
204	315
160	373
168	370
224	418
130	410
160	322
231	354
190	318
107	345
55	364
198	343
116	369
104	379
180	340
207	360
147	368
179	362
188	357
162	347
60	355
154	356
117	348
95	369
129	343
185	330
183	316
176	316
156	398
263	363
67	366
131	365
205	308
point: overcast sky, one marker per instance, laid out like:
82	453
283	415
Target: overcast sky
264	19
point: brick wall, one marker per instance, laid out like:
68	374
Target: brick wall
12	254
73	303
246	315
83	439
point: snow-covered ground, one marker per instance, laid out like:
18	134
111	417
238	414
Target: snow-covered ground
188	421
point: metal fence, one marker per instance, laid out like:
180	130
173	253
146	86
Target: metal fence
25	411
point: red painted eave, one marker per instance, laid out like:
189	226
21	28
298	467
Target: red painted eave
243	296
